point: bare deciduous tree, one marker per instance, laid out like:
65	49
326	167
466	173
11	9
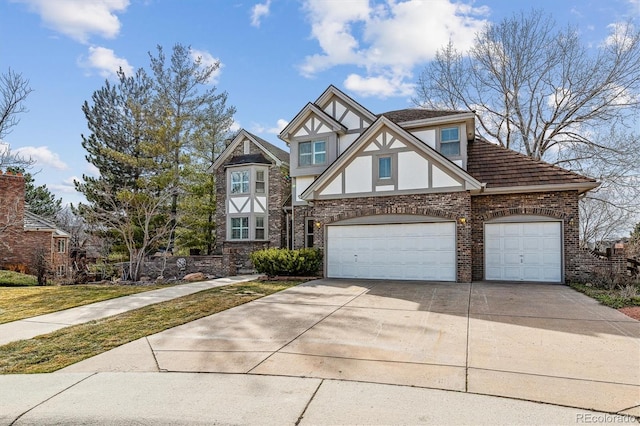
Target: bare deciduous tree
538	90
139	217
14	89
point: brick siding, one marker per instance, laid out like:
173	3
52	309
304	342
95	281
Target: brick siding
20	246
450	206
558	205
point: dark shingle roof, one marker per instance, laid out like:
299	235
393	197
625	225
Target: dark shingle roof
501	167
281	154
413	114
248	159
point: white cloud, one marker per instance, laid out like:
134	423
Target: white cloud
379	86
235	126
79	19
106	62
91	170
620	34
43	156
259	11
67	186
207	60
260	129
386	39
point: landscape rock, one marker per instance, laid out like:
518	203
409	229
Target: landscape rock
196	276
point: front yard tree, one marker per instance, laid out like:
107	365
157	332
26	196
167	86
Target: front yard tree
198	204
536	89
184	96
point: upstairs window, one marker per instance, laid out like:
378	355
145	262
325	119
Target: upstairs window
62	245
240	182
312	153
384	167
260	182
450	141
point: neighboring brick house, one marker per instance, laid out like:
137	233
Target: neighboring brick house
252	190
23	234
415	195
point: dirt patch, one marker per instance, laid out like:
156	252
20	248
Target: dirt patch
631	311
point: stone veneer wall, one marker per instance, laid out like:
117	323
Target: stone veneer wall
279	190
559	205
451	205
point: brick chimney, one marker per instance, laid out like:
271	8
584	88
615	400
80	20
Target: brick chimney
12	194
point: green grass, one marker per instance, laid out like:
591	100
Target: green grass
10	278
615	298
67	346
24	302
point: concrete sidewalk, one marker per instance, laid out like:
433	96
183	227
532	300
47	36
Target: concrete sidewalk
43	324
193	398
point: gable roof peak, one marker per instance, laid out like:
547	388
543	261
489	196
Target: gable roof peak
278	155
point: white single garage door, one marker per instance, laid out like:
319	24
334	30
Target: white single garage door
523	251
412	251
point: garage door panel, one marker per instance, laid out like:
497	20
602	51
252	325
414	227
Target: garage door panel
526	251
416	251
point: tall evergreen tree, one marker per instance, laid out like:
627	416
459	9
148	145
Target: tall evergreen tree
198	204
152	138
184	95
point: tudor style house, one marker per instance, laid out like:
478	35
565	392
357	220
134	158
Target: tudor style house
412	194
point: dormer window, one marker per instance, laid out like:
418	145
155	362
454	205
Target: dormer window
312	153
450	141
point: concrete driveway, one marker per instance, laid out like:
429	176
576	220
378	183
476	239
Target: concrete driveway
536	342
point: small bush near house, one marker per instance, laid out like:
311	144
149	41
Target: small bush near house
10	279
273	262
616	291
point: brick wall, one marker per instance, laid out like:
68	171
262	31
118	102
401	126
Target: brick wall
451	206
18	246
559	205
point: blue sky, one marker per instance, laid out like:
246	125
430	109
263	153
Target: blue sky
275	55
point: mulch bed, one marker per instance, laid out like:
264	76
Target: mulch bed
631	311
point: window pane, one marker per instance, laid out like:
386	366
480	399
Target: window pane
259	234
448	135
259	222
384	168
320	158
260	175
260	187
319	146
450	148
305	148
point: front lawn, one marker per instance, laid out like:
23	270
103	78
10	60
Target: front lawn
24	302
50	352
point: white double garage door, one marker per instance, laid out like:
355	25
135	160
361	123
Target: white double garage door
530	251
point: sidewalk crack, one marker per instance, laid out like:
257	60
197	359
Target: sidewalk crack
50	398
309	403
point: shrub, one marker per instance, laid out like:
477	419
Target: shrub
273	261
17	267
